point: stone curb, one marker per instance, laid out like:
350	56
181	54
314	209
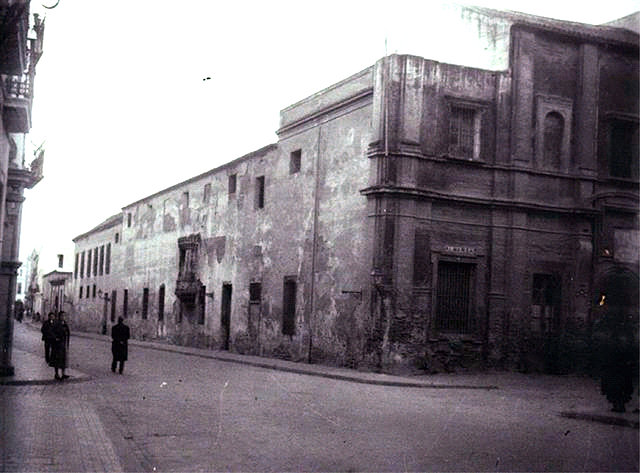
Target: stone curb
291	369
40	382
611	420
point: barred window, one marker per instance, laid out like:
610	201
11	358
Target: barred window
454	297
464	132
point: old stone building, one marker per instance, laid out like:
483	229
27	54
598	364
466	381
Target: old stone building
20	50
417	214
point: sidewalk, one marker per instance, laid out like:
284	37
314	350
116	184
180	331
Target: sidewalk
31	369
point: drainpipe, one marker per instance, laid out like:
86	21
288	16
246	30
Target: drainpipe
314	249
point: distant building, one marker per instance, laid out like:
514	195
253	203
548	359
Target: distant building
20	50
416	215
57	292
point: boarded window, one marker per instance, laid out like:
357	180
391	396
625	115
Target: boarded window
145	303
289	306
454	297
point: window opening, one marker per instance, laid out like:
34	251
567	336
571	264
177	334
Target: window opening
232	184
161	303
454	297
125	303
623	149
145	302
260	192
295	161
289	306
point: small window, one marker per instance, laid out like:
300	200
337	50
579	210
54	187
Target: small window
75	268
185	199
206	195
129	219
255	292
107	263
145	302
117	238
260	192
289	306
80	293
295	161
89	263
623	149
93	293
60	261
82	265
232	184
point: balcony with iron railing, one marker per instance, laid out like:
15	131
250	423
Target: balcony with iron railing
16	108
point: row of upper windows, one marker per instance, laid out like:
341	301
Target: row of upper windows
552	140
97	259
295	162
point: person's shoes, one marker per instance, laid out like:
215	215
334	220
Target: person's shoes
64	376
57	377
120	372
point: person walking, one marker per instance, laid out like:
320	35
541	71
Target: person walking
60	346
47	337
119	345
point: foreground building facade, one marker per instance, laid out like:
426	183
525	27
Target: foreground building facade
20	50
416	215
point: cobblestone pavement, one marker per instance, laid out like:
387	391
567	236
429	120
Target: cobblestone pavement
186	412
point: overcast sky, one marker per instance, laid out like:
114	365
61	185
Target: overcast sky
124	112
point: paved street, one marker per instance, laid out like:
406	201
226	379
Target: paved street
177	412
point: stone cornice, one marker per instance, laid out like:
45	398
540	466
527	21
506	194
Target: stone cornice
416	193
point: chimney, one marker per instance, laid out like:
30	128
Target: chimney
60	261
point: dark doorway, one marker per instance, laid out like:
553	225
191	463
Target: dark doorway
225	315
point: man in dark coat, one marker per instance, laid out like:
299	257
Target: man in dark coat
47	337
119	345
60	346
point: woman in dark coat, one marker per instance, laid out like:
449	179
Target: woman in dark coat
119	345
60	346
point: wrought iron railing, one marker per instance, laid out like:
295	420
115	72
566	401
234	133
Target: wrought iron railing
17	87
